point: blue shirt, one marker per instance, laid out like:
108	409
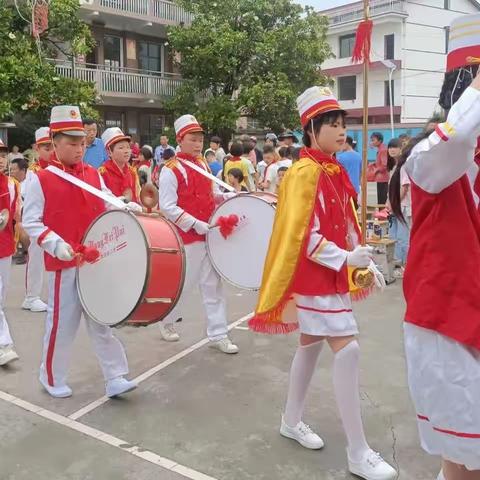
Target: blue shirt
352	161
159	151
95	154
215	167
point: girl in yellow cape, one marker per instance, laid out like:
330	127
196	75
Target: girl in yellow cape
305	284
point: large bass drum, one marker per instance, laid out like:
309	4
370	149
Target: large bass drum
240	258
139	275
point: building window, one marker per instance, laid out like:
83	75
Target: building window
150	56
347	88
112	47
387	92
113	119
446	4
389	47
347	43
151	124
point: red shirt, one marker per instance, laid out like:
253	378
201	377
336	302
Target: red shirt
382	175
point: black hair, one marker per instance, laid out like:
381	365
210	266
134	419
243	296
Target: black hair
21	162
268	149
329	118
282	169
391	162
236	149
454	84
89	121
216	139
349	140
147	153
296	154
237	173
378	136
248	146
168	153
283	152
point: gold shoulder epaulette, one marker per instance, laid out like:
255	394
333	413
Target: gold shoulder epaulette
34	167
172	163
102	170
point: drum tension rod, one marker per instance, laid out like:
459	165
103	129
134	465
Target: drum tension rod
163	250
157	300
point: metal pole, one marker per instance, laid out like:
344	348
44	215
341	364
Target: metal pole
363	213
390	88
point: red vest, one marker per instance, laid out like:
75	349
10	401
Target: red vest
7	235
68	209
118	181
196	197
442	278
311	278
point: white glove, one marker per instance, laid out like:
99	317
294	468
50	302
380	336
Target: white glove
200	227
360	257
63	251
379	278
134	207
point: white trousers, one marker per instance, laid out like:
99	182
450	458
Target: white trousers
64	312
34	272
199	271
5	268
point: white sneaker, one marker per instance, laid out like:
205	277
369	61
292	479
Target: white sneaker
168	332
61	391
34	305
7	354
303	434
225	345
119	386
372	467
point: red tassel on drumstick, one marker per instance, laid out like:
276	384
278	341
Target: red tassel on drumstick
86	254
227	224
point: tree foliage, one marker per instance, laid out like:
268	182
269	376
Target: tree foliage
247	56
28	80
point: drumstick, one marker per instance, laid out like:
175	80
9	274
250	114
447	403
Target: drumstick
208	175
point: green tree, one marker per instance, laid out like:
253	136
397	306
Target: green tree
248	56
29	84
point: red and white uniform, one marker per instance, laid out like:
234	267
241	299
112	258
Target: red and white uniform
186	196
121	182
55	211
11	200
442	284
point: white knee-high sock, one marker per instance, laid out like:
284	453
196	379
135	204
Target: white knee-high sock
301	373
345	382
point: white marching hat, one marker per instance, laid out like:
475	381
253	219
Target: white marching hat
464	42
2	145
113	135
186	124
42	135
316	101
66	119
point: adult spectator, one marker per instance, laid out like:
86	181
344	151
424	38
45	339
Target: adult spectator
159	154
271	139
352	162
381	172
213	163
18	170
216	146
287	139
258	152
95	153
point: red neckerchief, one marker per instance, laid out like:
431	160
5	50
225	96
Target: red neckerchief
321	157
124	174
144	163
76	169
235	159
43	163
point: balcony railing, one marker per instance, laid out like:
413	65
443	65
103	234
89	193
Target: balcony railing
354	13
154	9
112	81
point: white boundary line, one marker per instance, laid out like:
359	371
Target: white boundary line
106	438
149	373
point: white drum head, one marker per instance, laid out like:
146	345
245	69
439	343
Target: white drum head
240	258
111	288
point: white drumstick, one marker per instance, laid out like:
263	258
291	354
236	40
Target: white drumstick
207	174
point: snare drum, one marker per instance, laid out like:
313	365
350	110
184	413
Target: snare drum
240	258
139	276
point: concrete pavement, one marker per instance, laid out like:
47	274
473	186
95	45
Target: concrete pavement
201	411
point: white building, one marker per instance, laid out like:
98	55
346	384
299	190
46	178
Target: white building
413	34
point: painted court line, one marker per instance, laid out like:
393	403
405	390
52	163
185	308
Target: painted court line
106	438
149	373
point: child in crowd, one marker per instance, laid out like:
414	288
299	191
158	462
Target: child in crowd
280	174
269	180
236	161
144	164
236	180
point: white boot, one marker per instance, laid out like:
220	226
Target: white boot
372	467
34	305
60	391
225	345
168	332
303	434
7	354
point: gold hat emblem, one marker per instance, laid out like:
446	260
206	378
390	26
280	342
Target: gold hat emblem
73	114
326	92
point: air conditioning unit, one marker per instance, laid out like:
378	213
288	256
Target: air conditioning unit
86	2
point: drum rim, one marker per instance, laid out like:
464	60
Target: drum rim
147	275
173	228
251	194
